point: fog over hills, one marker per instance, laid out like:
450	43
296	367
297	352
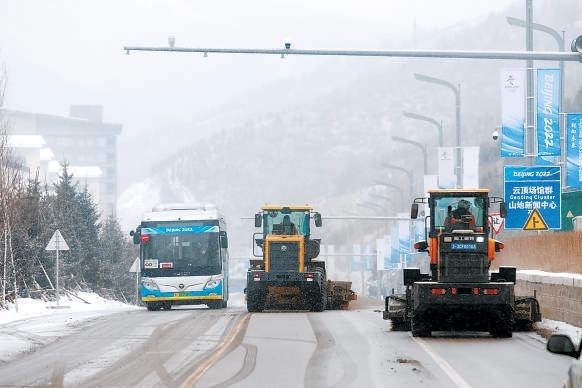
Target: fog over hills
327	147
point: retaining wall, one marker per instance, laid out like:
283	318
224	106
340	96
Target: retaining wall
559	294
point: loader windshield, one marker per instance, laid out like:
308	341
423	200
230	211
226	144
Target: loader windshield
286	222
449	212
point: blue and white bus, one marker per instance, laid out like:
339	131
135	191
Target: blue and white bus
183	256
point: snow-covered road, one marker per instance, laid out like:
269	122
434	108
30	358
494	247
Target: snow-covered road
202	347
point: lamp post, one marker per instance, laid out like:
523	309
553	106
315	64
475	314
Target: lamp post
421	146
457	92
383	199
395	187
436	123
406	172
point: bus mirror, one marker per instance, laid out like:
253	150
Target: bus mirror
258	220
414	211
317	219
136	237
502	210
223	240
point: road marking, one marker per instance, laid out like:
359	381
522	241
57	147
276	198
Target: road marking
445	366
215	356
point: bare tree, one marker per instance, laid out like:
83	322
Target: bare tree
10	184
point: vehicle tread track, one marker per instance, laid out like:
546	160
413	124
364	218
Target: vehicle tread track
250	358
149	357
249	363
318	366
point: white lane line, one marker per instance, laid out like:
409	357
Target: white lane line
445	366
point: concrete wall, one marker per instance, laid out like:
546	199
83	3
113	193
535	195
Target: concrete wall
560	295
548	251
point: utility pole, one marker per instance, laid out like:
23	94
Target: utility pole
530	120
561	42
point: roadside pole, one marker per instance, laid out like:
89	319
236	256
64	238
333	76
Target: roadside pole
57	243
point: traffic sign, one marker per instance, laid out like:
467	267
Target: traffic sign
535	221
530	188
57	242
496	222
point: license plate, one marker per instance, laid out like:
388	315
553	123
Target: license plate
463	247
180	294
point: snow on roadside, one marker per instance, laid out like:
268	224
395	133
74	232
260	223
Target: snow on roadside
557	327
561	278
38	323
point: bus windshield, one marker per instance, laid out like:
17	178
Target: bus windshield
287	223
181	251
451	210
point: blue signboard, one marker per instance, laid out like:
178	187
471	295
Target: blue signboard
574	150
180	229
528	188
548	112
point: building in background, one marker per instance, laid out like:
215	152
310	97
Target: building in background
83	140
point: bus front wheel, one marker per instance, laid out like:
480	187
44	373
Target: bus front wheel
153	306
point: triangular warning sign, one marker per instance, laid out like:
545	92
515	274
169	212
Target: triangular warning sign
569	214
535	221
57	242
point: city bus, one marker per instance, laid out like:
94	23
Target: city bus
183	256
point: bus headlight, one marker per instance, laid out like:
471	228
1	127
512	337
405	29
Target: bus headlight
150	284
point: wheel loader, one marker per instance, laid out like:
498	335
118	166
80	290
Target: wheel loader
460	292
285	273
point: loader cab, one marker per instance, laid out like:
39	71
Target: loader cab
458	211
458	233
287	220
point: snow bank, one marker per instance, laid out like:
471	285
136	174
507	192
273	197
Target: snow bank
37	323
557	327
560	278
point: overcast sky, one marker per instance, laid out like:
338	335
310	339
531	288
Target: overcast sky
61	52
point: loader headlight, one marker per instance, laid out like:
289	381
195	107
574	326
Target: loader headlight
150	284
480	239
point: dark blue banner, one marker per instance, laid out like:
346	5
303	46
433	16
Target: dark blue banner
548	112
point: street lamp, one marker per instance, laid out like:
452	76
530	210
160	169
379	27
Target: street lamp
421	146
457	92
384	198
395	187
406	172
437	124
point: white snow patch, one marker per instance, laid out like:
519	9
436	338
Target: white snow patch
36	324
558	327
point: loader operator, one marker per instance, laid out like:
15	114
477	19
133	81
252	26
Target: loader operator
461	217
286	227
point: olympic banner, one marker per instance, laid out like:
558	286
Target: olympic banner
574	153
512	113
548	112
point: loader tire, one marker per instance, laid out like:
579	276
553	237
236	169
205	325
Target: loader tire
503	326
503	329
255	302
319	300
153	306
420	327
